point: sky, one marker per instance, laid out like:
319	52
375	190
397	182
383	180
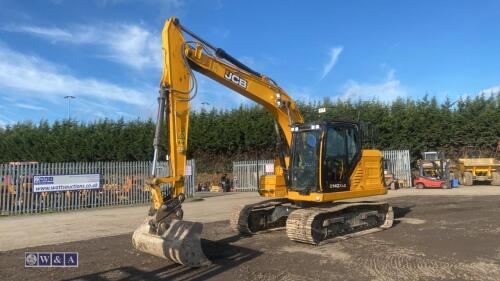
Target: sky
107	53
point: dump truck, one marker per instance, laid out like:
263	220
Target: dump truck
479	170
474	167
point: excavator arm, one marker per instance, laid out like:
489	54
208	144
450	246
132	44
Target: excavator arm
178	87
164	233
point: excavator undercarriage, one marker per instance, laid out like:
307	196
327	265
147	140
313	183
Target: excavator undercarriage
317	224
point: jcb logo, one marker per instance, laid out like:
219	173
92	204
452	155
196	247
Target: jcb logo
236	79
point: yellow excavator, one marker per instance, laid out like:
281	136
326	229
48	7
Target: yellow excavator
317	164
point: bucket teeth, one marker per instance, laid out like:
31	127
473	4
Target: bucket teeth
179	243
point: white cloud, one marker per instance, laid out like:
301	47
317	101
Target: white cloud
490	91
487	92
128	44
34	79
28	106
53	33
387	90
334	55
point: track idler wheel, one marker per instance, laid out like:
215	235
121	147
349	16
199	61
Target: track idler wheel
179	242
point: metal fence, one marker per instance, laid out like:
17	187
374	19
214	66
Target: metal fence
246	174
122	183
398	163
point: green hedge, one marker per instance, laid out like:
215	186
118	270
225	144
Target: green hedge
218	137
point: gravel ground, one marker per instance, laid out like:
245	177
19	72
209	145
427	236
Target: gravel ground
433	238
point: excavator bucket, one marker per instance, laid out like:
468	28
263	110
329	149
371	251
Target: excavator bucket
179	243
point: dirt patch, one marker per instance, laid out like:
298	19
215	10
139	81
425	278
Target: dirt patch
331	252
416	248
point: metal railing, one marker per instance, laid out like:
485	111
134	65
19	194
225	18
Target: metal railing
398	163
122	183
246	174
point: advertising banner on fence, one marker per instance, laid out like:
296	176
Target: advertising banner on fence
47	183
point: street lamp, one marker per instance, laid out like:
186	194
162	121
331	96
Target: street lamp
203	105
69	98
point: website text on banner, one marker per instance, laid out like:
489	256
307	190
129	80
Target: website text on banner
47	183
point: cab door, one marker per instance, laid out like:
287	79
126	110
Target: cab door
341	153
304	161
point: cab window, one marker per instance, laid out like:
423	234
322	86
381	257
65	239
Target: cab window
341	152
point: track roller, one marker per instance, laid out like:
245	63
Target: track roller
345	220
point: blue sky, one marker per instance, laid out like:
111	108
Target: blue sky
107	52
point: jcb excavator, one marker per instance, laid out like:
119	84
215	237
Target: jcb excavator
317	163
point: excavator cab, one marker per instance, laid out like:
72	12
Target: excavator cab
323	156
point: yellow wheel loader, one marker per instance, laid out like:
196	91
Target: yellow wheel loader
317	164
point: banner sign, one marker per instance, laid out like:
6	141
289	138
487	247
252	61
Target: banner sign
269	168
48	183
